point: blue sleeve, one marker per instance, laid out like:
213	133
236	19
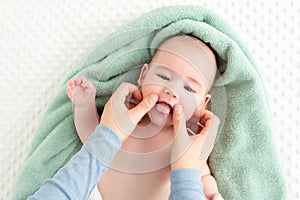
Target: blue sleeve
186	184
79	176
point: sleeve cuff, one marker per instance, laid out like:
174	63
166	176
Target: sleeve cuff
186	179
185	175
103	144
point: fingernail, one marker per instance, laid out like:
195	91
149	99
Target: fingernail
179	110
153	98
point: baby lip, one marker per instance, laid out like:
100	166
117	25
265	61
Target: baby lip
165	102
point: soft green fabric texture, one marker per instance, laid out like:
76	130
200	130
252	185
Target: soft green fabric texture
244	160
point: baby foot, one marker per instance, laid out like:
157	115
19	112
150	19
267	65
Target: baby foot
81	92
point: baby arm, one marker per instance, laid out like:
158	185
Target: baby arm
210	187
82	93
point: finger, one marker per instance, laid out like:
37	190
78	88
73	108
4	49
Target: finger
127	88
137	95
69	92
206	120
181	137
77	81
70	88
71	83
87	84
124	90
200	142
130	105
209	132
80	80
118	106
177	118
205	116
142	108
210	121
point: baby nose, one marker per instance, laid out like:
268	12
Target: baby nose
170	93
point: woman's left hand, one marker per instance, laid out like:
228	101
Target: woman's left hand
119	117
192	152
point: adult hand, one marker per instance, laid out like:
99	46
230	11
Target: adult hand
117	114
192	152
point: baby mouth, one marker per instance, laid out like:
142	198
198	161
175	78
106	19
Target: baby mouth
163	108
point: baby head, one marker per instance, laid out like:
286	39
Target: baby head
181	71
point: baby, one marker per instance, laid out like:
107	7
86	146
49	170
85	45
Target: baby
181	72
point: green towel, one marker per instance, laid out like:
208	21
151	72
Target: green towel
244	160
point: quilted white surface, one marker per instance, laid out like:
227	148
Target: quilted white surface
40	41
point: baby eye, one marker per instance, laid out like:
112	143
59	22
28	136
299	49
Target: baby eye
188	88
163	77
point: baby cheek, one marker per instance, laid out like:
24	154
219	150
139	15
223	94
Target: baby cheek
189	106
149	89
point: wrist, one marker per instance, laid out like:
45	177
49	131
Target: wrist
107	123
185	165
103	144
87	106
185	168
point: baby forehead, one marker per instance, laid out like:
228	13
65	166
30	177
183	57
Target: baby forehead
191	50
160	67
182	43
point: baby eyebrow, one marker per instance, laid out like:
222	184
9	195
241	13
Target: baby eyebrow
164	68
194	81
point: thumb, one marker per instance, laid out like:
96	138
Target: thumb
142	108
199	142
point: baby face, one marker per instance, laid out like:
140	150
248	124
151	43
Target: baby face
175	81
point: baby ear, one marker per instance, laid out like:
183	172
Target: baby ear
205	102
143	73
